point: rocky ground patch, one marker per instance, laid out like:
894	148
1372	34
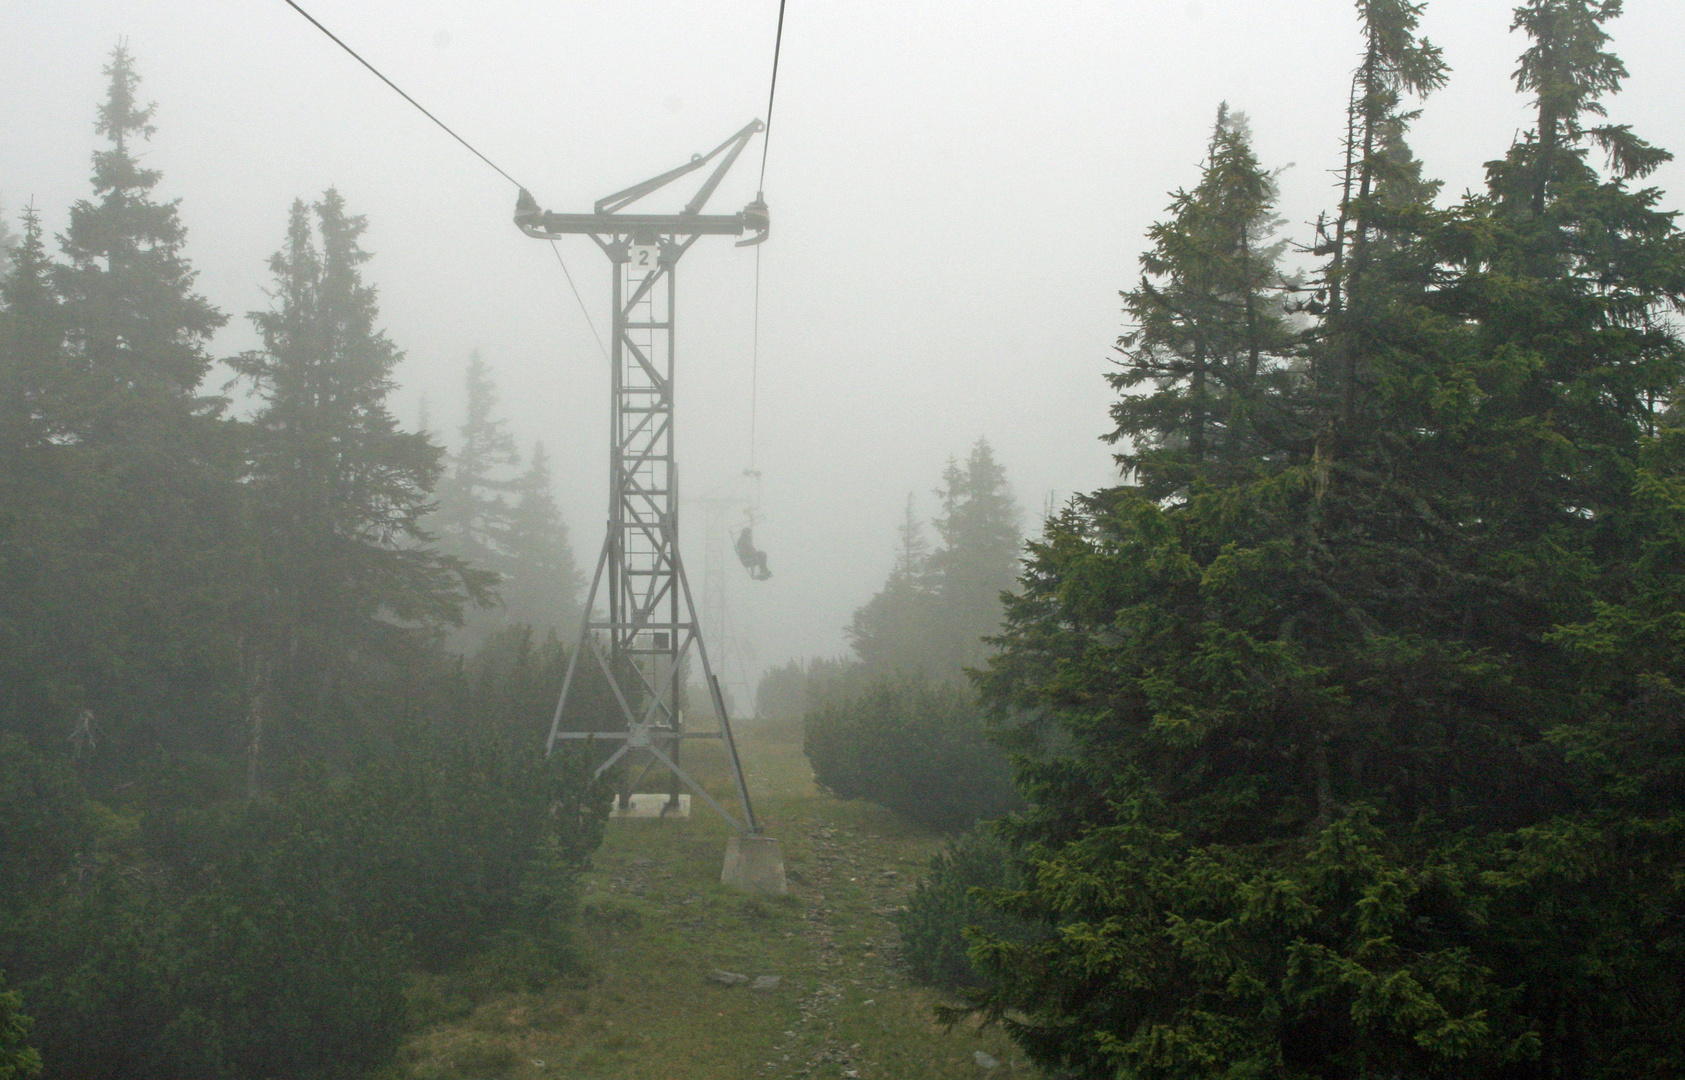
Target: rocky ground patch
689	979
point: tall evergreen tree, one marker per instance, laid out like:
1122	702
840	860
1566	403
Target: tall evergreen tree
1373	760
891	629
542	585
338	490
932	614
473	519
1380	187
32	333
122	530
902	727
978	559
32	482
138	331
1569	68
1210	334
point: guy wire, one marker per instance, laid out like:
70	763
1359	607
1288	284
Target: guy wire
583	310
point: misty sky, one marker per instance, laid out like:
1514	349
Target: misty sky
958	192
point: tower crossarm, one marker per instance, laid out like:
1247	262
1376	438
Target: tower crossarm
548	225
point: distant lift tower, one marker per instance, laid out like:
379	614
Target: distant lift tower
651	629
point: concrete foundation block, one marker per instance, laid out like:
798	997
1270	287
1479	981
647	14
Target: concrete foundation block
754	864
644	805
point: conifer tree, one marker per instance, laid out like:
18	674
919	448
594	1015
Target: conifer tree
131	505
138	331
542	585
1373	759
933	612
978	559
912	550
1569	69
1380	186
1210	337
32	479
473	519
902	727
32	366
891	629
338	490
18	1060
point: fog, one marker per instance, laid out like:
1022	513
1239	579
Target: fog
958	192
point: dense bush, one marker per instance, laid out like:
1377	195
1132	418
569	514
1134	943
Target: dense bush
18	1060
921	749
935	948
796	688
273	939
137	975
45	822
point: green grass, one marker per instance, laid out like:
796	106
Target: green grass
655	921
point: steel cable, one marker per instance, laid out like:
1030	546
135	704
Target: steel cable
471	149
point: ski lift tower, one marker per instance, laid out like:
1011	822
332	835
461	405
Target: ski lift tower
651	628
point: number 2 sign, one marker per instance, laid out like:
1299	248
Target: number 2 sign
643	260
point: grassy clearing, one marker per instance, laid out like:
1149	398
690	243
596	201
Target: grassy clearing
656	921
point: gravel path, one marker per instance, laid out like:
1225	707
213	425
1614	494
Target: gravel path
838	873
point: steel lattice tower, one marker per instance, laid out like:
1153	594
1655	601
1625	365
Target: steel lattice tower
651	630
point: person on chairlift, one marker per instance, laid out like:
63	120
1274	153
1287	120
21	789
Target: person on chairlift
752	558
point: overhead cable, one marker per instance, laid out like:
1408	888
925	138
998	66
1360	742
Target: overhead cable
777	45
755	362
583	310
755	346
400	92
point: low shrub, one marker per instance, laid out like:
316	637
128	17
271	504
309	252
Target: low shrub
18	1060
942	906
919	748
796	688
274	938
45	817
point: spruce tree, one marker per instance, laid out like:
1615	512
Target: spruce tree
934	611
32	362
473	519
1369	764
18	1060
1380	187
138	331
127	517
542	585
902	727
1210	336
35	482
891	630
338	491
30	342
978	558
